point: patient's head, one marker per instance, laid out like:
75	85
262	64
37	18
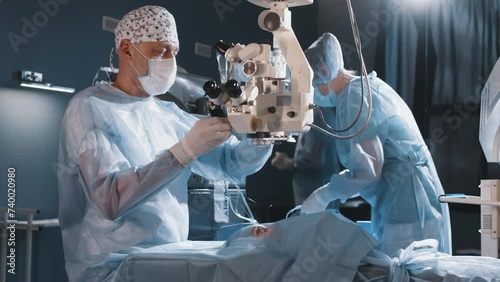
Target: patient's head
261	231
286	235
255	235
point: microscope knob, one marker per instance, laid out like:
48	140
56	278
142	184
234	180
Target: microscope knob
211	89
233	88
222	47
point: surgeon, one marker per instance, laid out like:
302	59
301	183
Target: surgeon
314	160
388	164
125	156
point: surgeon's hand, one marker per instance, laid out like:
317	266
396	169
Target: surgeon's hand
206	134
318	201
282	161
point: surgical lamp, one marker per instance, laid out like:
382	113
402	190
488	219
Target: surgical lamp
264	108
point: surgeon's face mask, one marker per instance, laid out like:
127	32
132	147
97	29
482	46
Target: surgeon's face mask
160	77
328	100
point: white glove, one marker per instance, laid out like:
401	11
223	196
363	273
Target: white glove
205	135
317	201
282	161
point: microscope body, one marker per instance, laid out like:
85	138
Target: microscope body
268	107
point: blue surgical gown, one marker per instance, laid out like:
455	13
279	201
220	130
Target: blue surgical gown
315	159
120	188
390	166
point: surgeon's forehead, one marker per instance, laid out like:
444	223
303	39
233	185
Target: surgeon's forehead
159	47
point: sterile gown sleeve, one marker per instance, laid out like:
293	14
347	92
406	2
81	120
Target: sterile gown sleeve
116	186
315	159
231	161
363	155
113	181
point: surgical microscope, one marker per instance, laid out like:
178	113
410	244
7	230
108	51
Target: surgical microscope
267	107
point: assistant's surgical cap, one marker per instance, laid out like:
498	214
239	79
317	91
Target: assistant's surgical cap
325	58
147	24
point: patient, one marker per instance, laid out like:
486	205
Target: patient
316	247
261	230
351	250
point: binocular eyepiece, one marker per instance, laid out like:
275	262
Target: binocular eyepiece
219	93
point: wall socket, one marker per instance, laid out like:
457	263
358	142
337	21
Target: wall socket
32	76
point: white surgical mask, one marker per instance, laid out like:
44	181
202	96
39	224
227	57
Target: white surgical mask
328	100
160	77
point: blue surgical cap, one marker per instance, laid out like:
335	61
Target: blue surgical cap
325	58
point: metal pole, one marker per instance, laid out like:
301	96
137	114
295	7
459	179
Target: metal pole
4	246
29	233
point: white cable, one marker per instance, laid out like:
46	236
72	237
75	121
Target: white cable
249	219
364	74
97	74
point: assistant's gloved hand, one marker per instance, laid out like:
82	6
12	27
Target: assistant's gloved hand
318	201
205	135
282	161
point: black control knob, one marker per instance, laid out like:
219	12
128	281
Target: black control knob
212	90
291	114
222	47
272	110
233	88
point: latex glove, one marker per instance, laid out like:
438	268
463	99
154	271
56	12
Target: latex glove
282	161
205	135
318	201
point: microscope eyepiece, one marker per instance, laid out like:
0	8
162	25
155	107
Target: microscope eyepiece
233	88
212	90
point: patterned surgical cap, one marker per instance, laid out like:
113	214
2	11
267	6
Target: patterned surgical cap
147	24
325	58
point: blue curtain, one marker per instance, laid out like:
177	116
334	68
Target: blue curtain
455	43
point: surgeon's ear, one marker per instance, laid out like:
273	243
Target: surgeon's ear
125	48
